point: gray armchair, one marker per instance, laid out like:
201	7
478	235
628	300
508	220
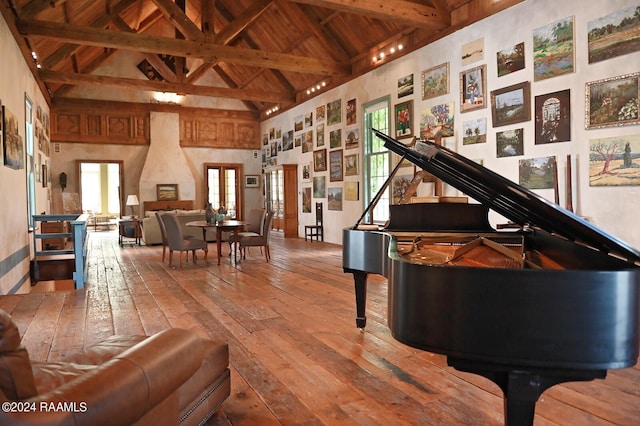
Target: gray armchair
177	242
260	240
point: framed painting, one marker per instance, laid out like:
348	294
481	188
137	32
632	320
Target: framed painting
351	191
353	138
474	131
510	60
510	143
612	101
252	181
351	165
404	120
334	112
511	104
320	160
351	112
437	121
435	81
306	172
609	36
335	138
334	199
405	86
306	200
320	135
13	147
473	85
472	52
613	161
167	192
335	166
538	173
553	49
553	117
319	186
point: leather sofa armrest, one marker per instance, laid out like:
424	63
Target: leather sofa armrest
121	391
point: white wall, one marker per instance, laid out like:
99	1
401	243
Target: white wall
612	208
16	82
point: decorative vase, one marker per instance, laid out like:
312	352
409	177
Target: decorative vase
209	213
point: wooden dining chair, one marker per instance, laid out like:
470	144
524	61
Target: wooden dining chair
316	230
177	242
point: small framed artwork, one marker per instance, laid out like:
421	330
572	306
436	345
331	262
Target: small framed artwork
320	160
511	104
320	135
306	200
435	81
510	143
538	173
319	186
405	86
612	102
474	131
351	112
510	60
352	139
334	112
472	52
252	181
351	191
553	117
335	166
335	138
167	192
306	172
334	199
351	165
404	120
612	161
473	85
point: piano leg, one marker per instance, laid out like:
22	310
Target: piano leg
523	386
360	281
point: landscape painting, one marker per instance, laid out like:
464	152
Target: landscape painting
613	101
510	60
334	199
511	104
614	161
510	143
553	51
614	35
538	173
437	121
405	85
13	143
435	81
474	131
334	112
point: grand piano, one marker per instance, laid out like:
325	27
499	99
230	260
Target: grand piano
548	300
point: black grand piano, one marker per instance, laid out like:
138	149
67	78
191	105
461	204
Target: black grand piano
555	300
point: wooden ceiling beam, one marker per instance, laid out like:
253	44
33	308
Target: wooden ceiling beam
179	19
246	18
398	10
161	86
209	52
69	49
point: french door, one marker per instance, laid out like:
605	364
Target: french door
223	187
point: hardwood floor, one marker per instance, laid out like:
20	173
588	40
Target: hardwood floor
296	355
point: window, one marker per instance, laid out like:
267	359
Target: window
377	159
223	188
31	178
100	185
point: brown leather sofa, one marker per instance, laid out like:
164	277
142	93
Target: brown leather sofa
171	378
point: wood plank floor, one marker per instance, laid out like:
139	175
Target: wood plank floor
296	355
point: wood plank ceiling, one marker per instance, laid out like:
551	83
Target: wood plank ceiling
267	52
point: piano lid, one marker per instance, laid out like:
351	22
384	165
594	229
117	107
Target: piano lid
515	202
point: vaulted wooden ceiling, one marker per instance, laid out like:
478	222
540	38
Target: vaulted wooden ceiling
266	52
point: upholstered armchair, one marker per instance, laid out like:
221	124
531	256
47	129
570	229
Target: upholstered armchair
171	378
177	242
261	240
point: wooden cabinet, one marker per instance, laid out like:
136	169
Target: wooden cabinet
281	186
54	227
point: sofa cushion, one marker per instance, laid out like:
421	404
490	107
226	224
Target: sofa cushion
16	377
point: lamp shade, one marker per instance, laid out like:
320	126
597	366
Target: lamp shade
132	200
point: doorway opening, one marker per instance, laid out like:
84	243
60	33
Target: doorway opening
101	185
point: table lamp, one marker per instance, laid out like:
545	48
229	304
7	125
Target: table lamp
132	200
